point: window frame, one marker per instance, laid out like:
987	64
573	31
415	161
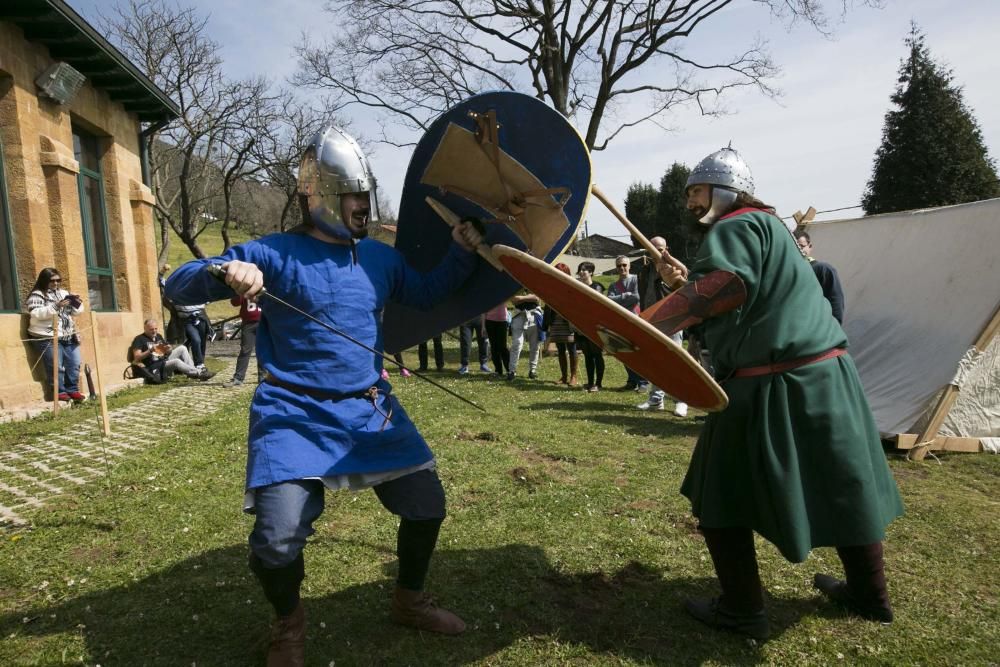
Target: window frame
86	219
8	231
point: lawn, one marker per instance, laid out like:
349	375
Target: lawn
567	543
211	244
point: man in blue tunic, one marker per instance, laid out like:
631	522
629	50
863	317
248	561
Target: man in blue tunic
323	417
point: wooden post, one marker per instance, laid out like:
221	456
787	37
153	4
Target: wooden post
55	368
100	383
950	394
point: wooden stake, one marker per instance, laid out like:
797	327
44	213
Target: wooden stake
950	394
55	368
100	383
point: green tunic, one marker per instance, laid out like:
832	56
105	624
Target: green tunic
796	455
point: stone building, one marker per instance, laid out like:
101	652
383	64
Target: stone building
72	193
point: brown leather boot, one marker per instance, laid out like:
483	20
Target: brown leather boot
417	610
288	640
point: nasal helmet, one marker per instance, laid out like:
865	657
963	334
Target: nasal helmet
728	174
333	165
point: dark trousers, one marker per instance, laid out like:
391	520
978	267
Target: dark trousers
285	513
248	342
465	342
196	329
593	358
438	354
497	333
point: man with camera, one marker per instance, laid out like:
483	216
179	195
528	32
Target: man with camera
160	359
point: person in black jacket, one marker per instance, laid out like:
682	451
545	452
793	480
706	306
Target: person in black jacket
826	274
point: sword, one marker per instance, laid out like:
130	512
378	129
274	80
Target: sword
216	271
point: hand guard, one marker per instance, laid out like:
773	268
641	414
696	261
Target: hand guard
711	295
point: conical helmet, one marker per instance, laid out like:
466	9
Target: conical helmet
724	167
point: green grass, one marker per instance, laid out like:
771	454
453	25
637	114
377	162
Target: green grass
567	543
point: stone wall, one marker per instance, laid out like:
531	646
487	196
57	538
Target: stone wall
44	207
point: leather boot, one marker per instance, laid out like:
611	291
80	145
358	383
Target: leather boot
288	640
713	613
417	610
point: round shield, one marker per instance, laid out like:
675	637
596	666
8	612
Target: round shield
506	158
628	337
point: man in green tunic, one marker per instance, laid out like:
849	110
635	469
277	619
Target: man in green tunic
796	455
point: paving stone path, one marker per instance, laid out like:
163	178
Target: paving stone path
34	472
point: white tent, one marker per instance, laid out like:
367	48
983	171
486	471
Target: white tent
922	291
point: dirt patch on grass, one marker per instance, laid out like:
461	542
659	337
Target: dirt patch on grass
482	436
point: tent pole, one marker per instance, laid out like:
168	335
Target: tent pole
950	394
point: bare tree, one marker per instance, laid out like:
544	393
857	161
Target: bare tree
600	60
171	45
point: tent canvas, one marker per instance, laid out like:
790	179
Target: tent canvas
921	287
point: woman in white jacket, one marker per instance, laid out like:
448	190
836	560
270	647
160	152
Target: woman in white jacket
52	307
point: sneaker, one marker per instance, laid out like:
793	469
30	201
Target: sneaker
405	373
712	613
650	405
206	375
485	368
594	389
63	396
232	383
463	370
642	386
385	374
77	397
532	375
510	376
629	386
681	409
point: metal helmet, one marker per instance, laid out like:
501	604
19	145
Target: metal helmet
333	165
728	174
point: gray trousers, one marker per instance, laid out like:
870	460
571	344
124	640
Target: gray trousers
248	343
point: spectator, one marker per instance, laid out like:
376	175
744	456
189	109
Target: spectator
195	321
465	344
249	318
151	351
438	354
625	292
497	323
52	309
651	290
524	324
826	275
593	355
560	331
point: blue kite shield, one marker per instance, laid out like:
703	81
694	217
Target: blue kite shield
508	159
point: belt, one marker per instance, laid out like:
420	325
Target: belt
782	366
371	394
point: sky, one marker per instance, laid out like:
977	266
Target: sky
813	146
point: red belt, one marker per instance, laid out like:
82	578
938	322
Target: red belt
783	366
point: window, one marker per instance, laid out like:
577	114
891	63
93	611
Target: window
97	246
8	268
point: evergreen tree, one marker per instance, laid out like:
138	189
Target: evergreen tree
674	222
640	209
932	151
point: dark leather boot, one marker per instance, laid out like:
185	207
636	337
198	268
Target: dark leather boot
288	640
837	591
417	610
712	612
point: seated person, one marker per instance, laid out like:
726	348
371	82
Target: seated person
160	359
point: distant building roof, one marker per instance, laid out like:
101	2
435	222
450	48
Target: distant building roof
72	40
596	245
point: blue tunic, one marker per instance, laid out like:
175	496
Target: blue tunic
293	436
